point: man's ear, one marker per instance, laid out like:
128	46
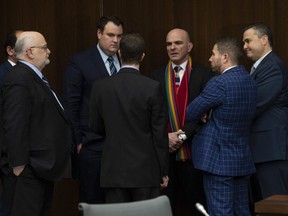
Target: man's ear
225	57
143	55
264	39
190	46
10	50
99	34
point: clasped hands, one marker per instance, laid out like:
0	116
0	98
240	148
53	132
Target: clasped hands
174	141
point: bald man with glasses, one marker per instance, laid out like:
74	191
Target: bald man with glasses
37	133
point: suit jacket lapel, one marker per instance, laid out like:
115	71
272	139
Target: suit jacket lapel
47	90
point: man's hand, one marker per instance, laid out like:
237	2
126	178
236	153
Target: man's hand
79	146
204	118
174	142
18	170
165	180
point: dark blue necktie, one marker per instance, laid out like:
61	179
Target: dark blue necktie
111	65
48	85
177	77
46	82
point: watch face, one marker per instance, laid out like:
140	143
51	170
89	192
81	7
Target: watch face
182	137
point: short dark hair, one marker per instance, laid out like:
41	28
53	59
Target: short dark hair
132	47
105	19
231	46
261	30
10	40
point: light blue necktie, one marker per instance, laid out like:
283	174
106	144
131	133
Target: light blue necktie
252	70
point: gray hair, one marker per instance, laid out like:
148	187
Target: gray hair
22	44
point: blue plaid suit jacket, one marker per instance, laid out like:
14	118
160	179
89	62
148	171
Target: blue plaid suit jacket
221	146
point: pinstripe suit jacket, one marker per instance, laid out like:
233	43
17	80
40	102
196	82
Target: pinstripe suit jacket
83	70
269	131
221	146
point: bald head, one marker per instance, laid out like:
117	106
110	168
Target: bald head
25	40
178	45
177	32
31	46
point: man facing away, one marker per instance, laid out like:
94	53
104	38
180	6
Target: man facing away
269	131
220	148
128	110
37	134
182	81
82	71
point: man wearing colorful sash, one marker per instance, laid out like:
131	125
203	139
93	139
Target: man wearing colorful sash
182	81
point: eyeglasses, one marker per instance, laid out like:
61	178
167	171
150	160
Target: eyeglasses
44	47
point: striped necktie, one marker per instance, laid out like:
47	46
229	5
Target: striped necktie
177	77
48	85
176	73
46	82
111	65
252	70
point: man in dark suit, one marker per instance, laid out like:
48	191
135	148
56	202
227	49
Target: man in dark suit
37	134
185	184
4	69
220	148
82	71
128	110
9	52
269	132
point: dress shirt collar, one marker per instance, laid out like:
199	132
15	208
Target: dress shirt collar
255	65
33	67
105	59
229	68
11	62
183	68
129	66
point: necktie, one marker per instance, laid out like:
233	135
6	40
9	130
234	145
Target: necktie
48	85
177	77
252	70
46	82
111	65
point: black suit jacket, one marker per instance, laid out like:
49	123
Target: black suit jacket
36	131
198	79
4	69
82	71
128	109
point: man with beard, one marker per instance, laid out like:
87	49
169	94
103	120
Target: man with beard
220	148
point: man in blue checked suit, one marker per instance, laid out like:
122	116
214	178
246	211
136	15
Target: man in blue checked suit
220	149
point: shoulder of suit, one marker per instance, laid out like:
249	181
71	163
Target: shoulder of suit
197	67
5	64
272	57
85	53
158	70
